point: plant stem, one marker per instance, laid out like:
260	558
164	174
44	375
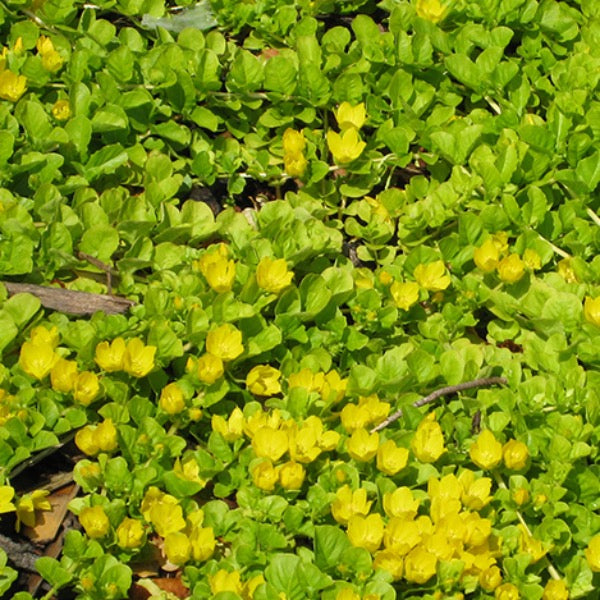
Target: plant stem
445	391
551	568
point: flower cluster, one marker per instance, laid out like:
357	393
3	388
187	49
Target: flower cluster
12	85
347	145
493	255
411	545
271	438
487	452
93	439
431	277
135	357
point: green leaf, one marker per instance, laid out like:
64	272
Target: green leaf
8	330
52	571
588	170
282	575
330	542
117	476
21	308
246	73
104	161
100	241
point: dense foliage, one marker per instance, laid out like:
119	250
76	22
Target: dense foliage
323	212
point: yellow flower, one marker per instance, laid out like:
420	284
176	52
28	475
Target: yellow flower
111	357
532	259
202	540
520	496
294	141
432	10
377	410
265	475
354	417
476	492
63	375
304	441
390	458
428	441
294	164
273	275
592	553
61	110
419	565
362	445
405	293
171	399
130	534
12	86
263	380
556	589
177	547
348	503
291	475
7	493
530	545
217	270
591	310
565	270
486	257
94	520
223	581
42	336
37	360
166	516
139	358
86	388
251	585
401	503
511	268
389	561
347	594
105	436
27	505
348	116
515	455
333	387
233	428
188	469
225	342
432	276
345	147
210	368
51	60
490	578
486	451
507	591
85	440
270	443
366	532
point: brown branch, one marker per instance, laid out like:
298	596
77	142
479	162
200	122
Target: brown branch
71	301
445	391
22	554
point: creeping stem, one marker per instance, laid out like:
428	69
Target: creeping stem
445	391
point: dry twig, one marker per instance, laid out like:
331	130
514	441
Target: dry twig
445	391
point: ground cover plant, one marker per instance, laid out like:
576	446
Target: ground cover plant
346	260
